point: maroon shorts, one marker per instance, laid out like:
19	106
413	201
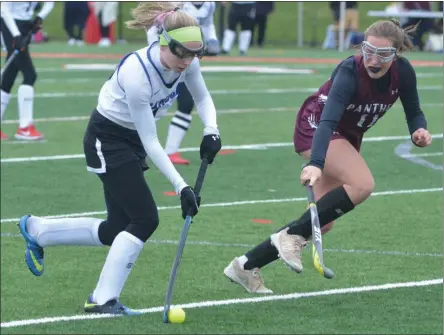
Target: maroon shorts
306	124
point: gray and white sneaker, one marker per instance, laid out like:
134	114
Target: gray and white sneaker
289	248
251	280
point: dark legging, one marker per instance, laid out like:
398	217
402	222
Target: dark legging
75	15
22	62
129	203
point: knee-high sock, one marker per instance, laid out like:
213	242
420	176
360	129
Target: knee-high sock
64	231
120	260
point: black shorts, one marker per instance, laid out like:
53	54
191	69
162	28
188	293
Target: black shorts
108	145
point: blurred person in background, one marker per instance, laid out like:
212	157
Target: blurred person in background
263	9
203	12
351	21
106	13
75	16
425	24
17	25
439	23
242	13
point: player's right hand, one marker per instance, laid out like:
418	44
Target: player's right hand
189	202
19	43
310	174
37	24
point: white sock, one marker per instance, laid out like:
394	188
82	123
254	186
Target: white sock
244	40
119	262
228	41
73	231
4	101
242	260
25	98
176	133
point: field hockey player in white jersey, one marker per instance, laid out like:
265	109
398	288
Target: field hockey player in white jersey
120	134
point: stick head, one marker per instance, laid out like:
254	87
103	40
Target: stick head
321	268
329	274
165	316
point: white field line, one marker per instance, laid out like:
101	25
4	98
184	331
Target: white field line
213	92
69	80
238	203
212	303
221	111
262	146
428	154
251	77
10	142
429	75
213	77
245	245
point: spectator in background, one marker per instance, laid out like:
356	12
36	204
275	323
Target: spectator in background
351	15
75	15
263	9
425	25
106	13
351	24
439	23
243	13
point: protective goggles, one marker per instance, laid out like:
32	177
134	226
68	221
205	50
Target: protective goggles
174	39
384	55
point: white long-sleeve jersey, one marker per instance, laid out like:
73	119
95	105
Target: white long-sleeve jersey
22	11
141	90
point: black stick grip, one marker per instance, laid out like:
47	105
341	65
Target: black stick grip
200	176
310	193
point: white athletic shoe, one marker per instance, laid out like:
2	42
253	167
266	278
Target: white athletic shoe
251	280
289	248
104	42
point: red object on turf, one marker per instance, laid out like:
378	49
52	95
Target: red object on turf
169	193
176	158
4	136
92	28
227	152
262	221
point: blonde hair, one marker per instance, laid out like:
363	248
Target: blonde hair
145	15
391	29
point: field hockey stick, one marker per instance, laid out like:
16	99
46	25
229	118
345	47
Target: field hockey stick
318	259
183	238
9	61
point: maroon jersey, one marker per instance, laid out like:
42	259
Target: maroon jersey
366	107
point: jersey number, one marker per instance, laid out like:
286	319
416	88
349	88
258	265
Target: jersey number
364	117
